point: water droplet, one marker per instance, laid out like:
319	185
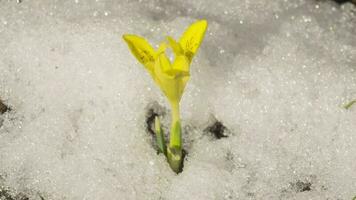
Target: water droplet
306	19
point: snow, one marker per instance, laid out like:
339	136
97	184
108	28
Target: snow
276	74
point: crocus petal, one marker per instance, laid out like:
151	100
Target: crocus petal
161	49
183	82
192	38
165	64
168	84
181	65
142	50
177	49
171	78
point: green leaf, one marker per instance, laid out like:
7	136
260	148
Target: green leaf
347	106
160	137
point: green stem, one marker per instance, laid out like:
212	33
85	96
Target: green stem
174	151
175	136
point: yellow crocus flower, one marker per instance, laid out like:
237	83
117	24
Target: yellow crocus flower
171	77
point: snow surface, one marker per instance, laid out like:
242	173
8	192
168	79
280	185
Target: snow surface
276	74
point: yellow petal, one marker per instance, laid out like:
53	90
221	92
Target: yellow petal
161	49
142	50
167	83
165	64
172	84
177	49
182	83
192	38
181	65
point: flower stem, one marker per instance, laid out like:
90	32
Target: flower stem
175	136
174	151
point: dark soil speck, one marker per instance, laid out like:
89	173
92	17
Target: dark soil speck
302	186
3	108
217	129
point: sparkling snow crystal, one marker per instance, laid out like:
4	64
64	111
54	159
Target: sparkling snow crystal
271	78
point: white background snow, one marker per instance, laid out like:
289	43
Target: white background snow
275	73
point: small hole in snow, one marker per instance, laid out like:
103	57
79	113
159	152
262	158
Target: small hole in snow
340	2
153	110
150	120
302	186
345	1
4	108
184	156
6	194
217	129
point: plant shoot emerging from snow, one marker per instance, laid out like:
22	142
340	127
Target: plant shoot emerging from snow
348	106
171	77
